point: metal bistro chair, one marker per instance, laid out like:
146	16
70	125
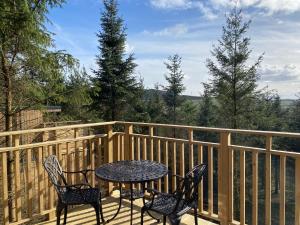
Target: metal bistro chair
76	194
176	204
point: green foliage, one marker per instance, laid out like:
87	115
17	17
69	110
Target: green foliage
187	112
114	82
156	106
32	75
233	81
136	109
77	95
175	87
206	117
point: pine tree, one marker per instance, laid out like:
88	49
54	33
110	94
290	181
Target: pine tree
26	63
206	116
234	82
175	87
78	100
156	106
114	82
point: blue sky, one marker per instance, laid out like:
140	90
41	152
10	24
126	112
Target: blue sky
159	28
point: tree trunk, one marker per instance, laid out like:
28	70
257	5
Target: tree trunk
8	114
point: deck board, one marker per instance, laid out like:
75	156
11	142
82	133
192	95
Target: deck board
86	215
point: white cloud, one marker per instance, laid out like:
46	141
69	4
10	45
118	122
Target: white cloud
170	4
211	8
176	30
270	6
275	73
206	11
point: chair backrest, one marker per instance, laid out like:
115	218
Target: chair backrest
187	190
55	173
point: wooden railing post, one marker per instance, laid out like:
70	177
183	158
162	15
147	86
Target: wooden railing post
127	142
225	173
109	151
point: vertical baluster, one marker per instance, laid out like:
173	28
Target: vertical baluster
254	188
174	167
69	161
5	189
119	147
210	179
17	179
158	160
50	186
40	180
242	187
144	153
92	161
85	159
268	181
123	147
109	151
191	149
200	192
29	182
282	189
297	191
138	153
181	159
166	159
230	184
77	155
151	133
99	155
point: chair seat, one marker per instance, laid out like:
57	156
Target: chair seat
165	203
81	196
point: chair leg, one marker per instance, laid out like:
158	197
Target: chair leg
142	217
59	208
101	212
164	220
195	216
65	214
97	210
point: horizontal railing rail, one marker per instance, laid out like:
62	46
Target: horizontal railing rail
245	184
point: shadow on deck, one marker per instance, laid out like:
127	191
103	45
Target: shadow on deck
86	215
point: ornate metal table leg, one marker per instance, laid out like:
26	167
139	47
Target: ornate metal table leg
120	203
131	202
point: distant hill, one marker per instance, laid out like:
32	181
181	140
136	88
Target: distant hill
285	103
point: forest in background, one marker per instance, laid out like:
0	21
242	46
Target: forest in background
33	76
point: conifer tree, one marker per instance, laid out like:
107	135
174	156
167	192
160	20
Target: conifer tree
156	106
206	113
234	81
114	82
175	87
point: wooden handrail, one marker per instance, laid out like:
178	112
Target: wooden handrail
84	150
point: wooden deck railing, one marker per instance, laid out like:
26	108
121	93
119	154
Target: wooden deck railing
238	188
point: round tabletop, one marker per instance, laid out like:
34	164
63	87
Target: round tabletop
131	171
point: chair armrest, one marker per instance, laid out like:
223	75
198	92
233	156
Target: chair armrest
152	191
78	186
83	172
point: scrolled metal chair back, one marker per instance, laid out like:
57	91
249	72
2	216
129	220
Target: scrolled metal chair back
55	173
187	190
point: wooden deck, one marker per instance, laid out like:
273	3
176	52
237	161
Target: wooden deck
86	215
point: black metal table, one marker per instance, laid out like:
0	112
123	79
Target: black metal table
131	172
